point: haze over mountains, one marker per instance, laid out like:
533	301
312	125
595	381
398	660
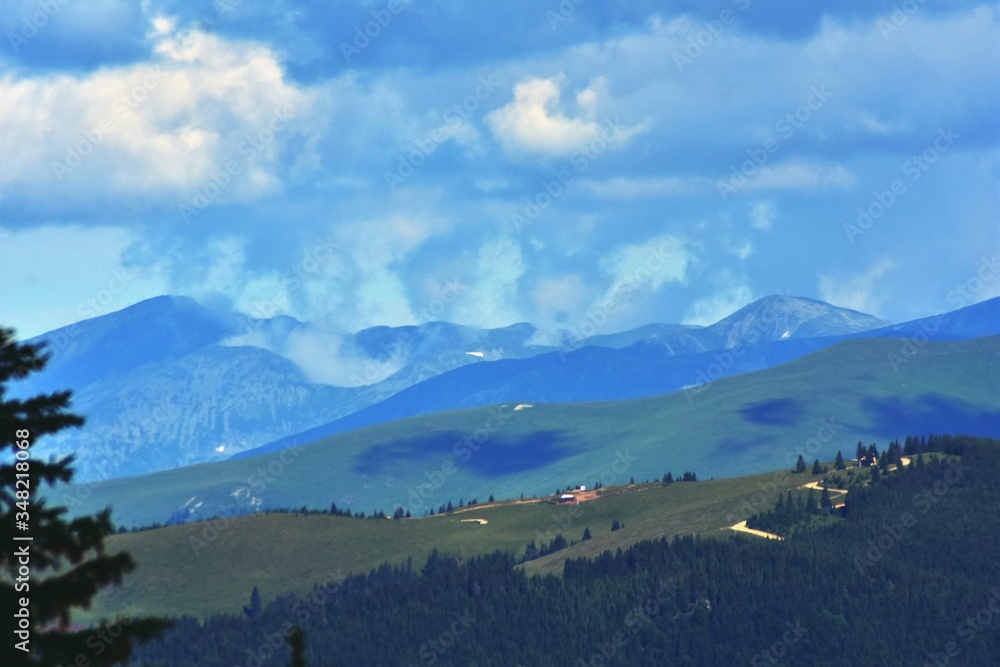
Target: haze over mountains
169	382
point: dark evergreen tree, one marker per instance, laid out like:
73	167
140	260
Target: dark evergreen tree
825	504
68	561
839	463
811	506
817	468
586	534
253	609
296	641
615	525
800	465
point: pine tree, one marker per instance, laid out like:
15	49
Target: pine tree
68	561
817	468
811	506
586	534
839	463
253	610
615	525
825	504
297	643
800	465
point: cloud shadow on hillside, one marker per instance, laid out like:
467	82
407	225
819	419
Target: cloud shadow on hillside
497	456
775	412
931	413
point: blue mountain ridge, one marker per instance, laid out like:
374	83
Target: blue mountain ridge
650	367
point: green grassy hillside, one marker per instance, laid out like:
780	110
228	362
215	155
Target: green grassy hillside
740	425
204	568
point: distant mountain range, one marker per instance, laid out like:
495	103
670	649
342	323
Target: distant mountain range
769	332
815	405
169	382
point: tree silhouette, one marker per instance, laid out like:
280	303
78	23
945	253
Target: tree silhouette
297	643
253	609
66	557
839	463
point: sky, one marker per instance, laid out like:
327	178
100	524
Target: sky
392	162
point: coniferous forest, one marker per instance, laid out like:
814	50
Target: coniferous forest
883	585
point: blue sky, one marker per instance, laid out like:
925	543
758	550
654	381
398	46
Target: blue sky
486	163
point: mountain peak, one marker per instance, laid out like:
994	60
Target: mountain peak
779	317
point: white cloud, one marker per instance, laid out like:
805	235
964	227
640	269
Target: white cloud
534	121
360	283
325	358
636	271
491	297
860	291
555	298
659	260
621	187
742	250
762	214
800	176
733	293
162	130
